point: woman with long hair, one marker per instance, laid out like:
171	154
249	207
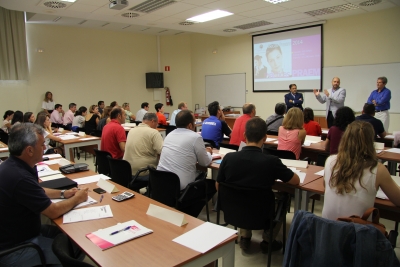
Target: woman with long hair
312	127
44	121
18	118
29	117
92	119
105	118
354	175
48	103
291	134
344	116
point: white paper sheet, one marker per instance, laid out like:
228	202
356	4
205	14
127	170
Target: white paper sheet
44	170
224	151
53	156
270	139
321	172
88	214
379	145
88	138
389	136
205	237
50	162
325	131
68	137
52	177
91	179
306	143
378	151
313	139
382	195
276	142
393	150
294	163
302	175
89	201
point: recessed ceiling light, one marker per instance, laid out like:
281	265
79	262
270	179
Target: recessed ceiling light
71	1
229	30
216	14
276	1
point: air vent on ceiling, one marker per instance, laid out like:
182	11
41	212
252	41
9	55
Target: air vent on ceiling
162	31
105	24
151	5
54	4
330	10
186	23
229	30
83	21
253	25
370	3
130	15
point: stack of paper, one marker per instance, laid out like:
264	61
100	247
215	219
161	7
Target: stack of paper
44	170
68	137
89	201
224	151
91	179
88	214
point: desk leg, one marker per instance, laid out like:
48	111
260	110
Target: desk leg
163	134
227	252
214	175
392	167
297	199
304	200
68	155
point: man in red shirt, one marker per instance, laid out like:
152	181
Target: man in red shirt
237	136
113	138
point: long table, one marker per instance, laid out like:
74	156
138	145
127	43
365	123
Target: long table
3	150
156	249
78	142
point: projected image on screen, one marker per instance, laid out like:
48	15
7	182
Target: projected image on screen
287	57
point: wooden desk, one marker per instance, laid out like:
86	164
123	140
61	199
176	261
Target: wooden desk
3	150
156	249
69	144
387	141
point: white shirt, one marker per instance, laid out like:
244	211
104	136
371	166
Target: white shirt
48	105
173	115
182	149
353	203
140	114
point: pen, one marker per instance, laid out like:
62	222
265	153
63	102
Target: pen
116	232
101	198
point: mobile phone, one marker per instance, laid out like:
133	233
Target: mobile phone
99	190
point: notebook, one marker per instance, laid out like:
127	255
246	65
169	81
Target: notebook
166	114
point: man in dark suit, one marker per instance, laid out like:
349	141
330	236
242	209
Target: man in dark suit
293	99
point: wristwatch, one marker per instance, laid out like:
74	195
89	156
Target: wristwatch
62	194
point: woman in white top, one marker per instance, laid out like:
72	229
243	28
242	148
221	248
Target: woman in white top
354	175
8	116
48	103
44	121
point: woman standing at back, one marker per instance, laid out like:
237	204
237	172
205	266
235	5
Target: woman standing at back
291	134
48	103
354	175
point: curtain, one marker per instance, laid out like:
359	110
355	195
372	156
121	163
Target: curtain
13	51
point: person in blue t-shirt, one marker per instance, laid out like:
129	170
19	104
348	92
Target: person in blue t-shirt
215	127
381	100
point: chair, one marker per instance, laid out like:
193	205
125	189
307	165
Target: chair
121	173
169	129
251	208
3	137
164	187
282	154
137	122
63	250
101	164
272	133
211	142
321	158
229	146
23	246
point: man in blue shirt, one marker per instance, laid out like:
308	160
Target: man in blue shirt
368	114
381	99
215	127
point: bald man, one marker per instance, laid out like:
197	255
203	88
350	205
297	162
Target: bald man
334	99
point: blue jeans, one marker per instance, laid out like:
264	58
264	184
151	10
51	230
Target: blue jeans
29	256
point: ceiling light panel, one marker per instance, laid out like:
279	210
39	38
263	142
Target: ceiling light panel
276	1
216	14
151	5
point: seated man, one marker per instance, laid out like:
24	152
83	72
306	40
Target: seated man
215	127
275	121
249	111
250	167
181	106
183	149
22	199
141	112
69	116
143	145
113	138
56	116
368	114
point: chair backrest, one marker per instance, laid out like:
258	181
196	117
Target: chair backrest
63	250
321	158
166	114
282	154
229	146
272	133
164	187
102	161
211	142
170	128
120	171
3	137
247	208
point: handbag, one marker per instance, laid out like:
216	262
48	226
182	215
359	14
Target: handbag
364	220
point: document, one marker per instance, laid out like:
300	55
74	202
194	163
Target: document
302	175
50	162
89	201
270	139
224	151
53	156
52	177
294	163
68	137
117	234
44	170
321	172
393	150
313	139
88	138
91	179
381	195
88	214
205	237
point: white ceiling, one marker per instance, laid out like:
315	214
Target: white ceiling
165	21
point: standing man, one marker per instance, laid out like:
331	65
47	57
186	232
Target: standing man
249	111
69	116
100	106
23	200
293	99
381	99
141	112
334	98
113	138
181	106
183	149
143	145
215	127
56	116
250	167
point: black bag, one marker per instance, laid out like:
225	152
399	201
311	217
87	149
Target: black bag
72	168
62	183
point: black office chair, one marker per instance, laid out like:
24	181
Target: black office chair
121	173
252	209
229	146
101	164
282	154
137	122
164	187
24	246
169	129
211	142
272	133
3	137
321	158
62	248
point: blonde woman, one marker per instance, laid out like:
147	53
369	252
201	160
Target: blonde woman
105	118
48	103
354	175
92	119
291	134
129	115
44	121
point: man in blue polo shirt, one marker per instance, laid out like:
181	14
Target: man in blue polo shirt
215	127
368	114
381	100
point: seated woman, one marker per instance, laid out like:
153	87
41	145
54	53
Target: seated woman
312	127
44	121
29	117
92	119
344	116
160	114
18	118
8	116
105	118
291	134
129	115
78	123
354	175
